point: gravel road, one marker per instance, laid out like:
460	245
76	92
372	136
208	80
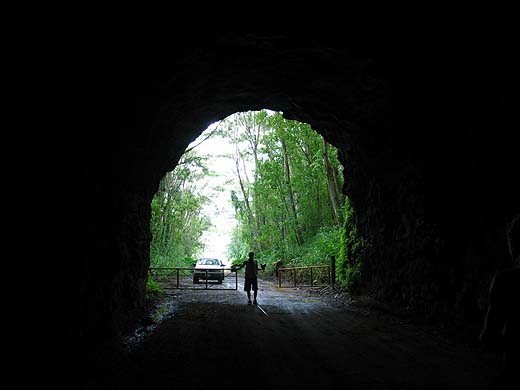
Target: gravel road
212	339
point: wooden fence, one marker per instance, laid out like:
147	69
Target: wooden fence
308	276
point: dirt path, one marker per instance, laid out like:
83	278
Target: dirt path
211	339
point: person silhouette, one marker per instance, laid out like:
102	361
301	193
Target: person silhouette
250	278
501	330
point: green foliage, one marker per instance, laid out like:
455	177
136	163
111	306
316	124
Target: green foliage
288	199
285	212
318	249
152	287
168	262
348	264
177	223
287	206
238	247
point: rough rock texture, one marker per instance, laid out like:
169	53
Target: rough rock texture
424	132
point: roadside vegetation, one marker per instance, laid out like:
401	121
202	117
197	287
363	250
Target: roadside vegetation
288	200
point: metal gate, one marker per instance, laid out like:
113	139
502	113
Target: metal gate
183	278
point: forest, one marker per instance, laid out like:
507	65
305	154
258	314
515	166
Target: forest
286	195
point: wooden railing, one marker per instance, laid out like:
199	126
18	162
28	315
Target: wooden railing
308	276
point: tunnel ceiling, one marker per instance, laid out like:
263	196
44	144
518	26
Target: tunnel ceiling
424	134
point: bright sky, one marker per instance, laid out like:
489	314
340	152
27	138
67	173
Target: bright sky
220	210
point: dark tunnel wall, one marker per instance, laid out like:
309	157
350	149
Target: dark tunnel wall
425	134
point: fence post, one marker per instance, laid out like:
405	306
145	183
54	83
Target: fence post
333	270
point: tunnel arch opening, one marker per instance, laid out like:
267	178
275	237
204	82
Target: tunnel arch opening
286	197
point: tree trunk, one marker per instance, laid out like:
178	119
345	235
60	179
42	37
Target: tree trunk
245	194
331	183
292	204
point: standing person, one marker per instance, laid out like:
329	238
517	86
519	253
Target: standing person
501	330
251	280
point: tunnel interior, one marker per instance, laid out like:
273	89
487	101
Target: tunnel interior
425	134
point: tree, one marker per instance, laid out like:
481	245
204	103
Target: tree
177	223
284	200
331	182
